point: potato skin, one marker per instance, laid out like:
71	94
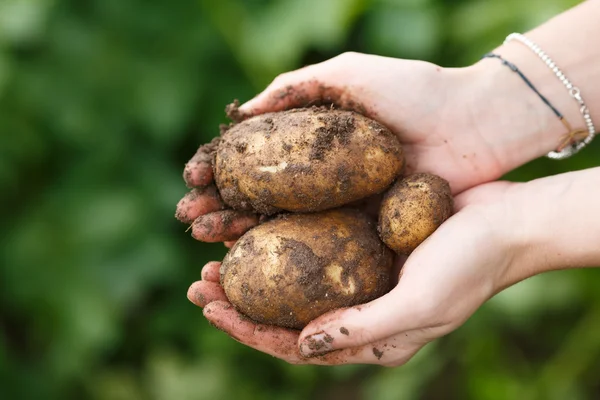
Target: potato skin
294	268
412	210
305	160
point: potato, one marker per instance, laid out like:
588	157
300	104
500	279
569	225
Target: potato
412	210
305	160
294	268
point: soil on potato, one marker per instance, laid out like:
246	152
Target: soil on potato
335	126
208	150
234	197
433	192
304	271
317	93
233	112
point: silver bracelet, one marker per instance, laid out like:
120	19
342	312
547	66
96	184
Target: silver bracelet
574	92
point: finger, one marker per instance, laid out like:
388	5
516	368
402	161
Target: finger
229	243
211	272
222	226
397	269
483	194
361	325
282	342
276	341
202	293
198	202
318	84
390	352
199	171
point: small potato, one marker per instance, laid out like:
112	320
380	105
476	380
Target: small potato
294	268
412	210
305	160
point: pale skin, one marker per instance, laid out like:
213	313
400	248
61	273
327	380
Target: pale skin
469	125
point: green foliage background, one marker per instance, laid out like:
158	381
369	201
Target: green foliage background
101	104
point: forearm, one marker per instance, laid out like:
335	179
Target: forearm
525	128
555	223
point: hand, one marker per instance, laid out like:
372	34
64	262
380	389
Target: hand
461	124
443	117
465	262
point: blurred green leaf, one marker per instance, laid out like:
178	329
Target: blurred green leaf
407	32
22	21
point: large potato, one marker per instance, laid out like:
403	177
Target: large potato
292	269
304	160
412	210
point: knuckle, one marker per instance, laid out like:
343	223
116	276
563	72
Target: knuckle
442	317
397	362
334	64
294	361
364	336
400	358
348	55
348	58
431	311
392	364
424	311
281	78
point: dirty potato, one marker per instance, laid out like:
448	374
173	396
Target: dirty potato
412	210
305	160
294	268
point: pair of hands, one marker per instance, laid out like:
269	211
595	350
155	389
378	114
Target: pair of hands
465	262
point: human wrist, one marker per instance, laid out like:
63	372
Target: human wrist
569	39
513	118
509	116
556	223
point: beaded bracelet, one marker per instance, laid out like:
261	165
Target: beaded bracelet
574	141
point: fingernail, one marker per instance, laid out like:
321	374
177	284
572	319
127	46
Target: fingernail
316	344
244	107
195	296
247	106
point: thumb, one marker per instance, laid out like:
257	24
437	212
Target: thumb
360	325
319	84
